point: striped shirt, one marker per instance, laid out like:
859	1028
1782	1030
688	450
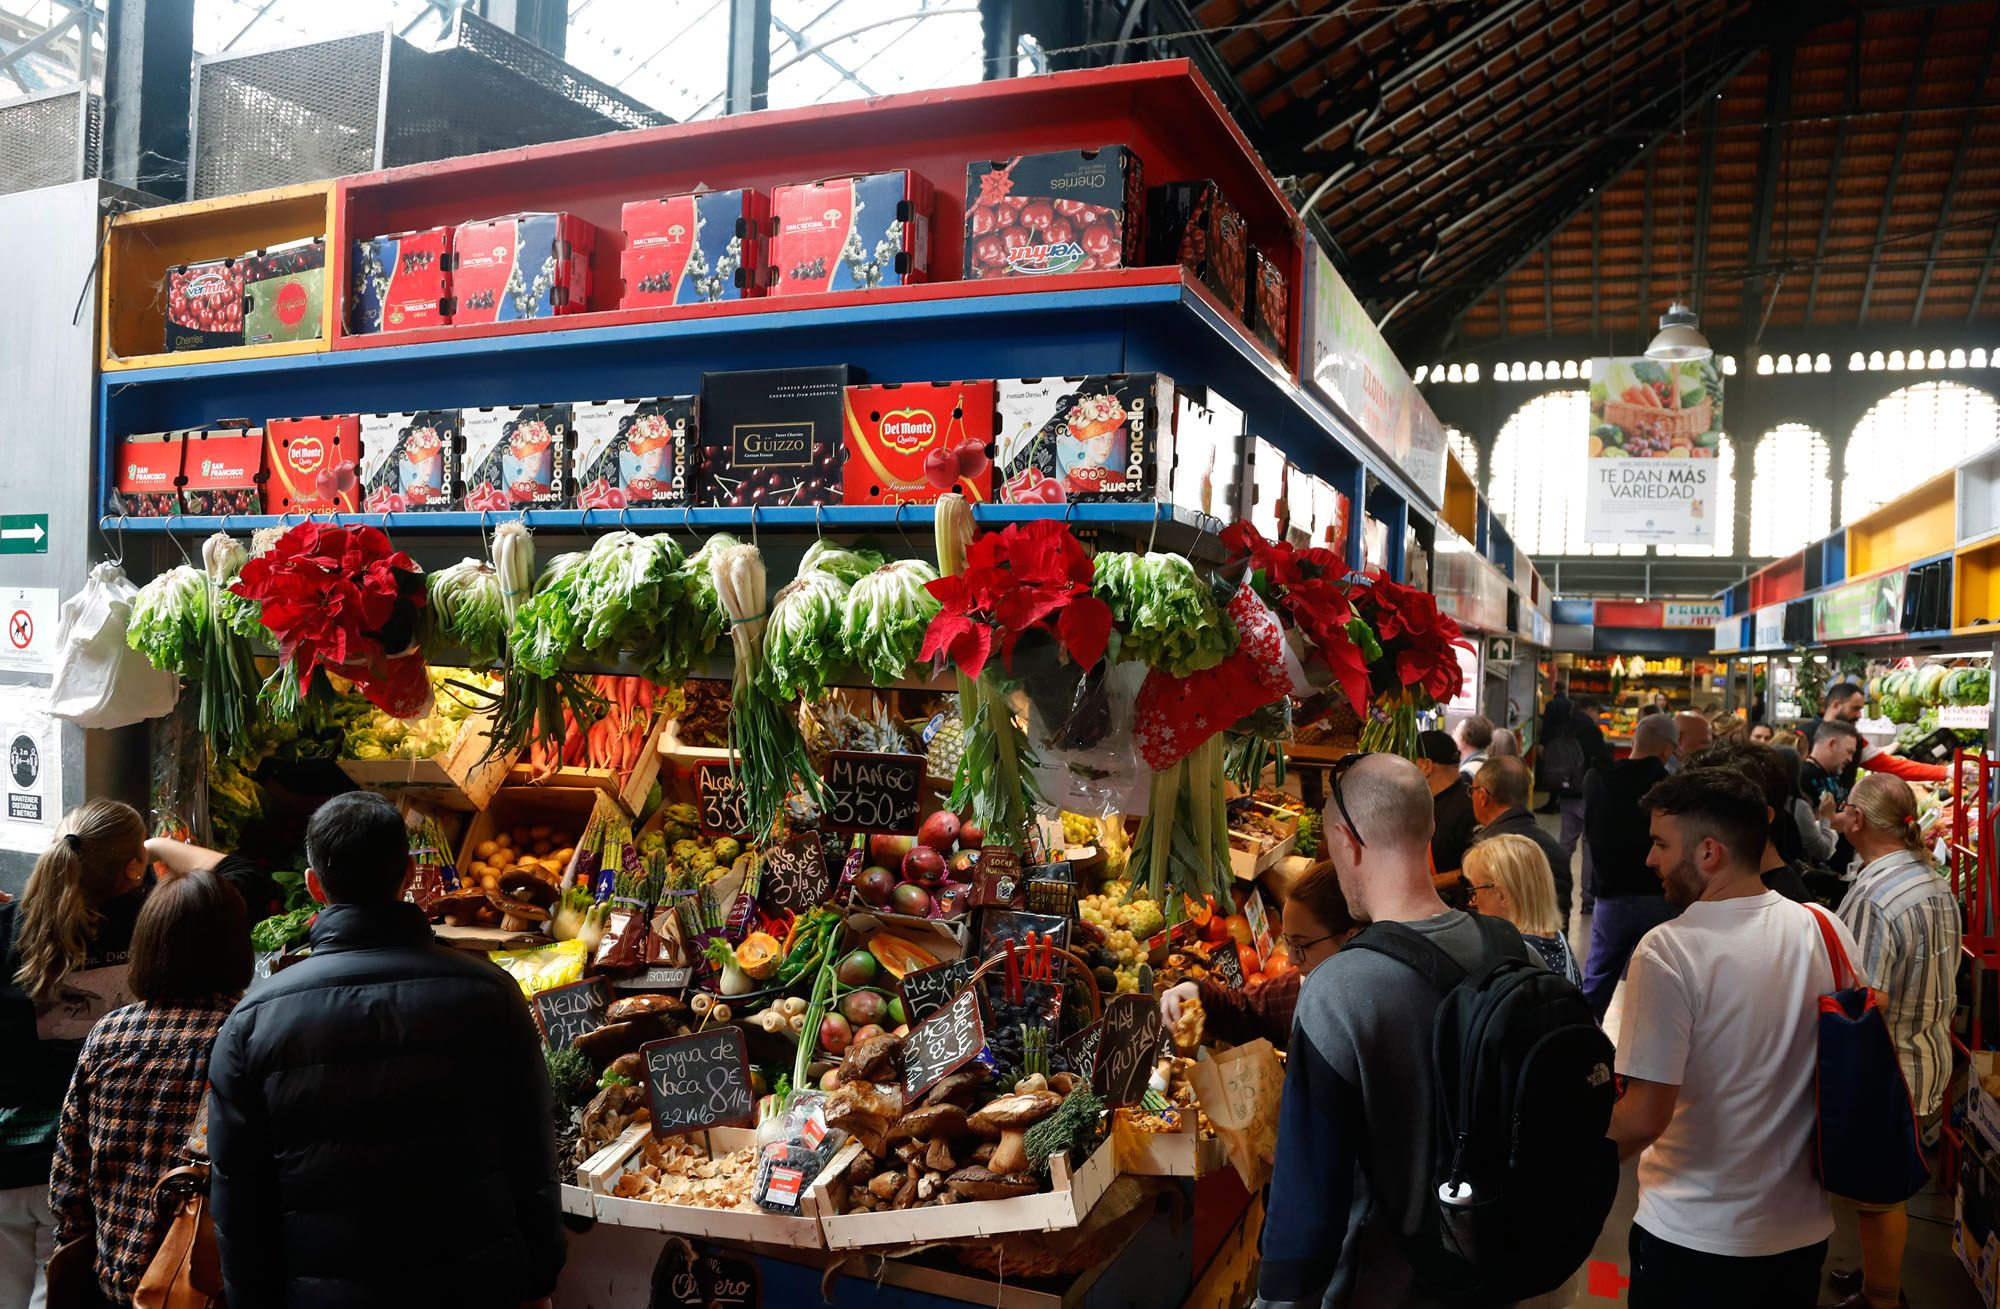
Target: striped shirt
1905	921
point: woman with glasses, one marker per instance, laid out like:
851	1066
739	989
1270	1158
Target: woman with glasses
1316	924
1509	878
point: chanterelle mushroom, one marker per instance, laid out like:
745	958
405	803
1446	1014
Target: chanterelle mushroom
1011	1116
985	1184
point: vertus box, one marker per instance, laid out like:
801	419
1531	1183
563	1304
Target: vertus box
521	266
1108	437
516	456
1194	225
410	462
402	281
205	305
773	436
283	289
851	233
693	249
222	471
634	453
312	465
1068	211
910	442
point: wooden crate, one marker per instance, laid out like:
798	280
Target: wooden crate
757	1226
457	779
1072	1195
1247	864
1185	1153
140	246
569	810
631	797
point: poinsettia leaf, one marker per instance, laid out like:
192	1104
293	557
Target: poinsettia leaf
970	650
1085	629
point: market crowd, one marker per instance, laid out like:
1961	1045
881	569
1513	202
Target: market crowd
135	1045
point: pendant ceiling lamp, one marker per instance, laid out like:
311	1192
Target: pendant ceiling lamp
1680	336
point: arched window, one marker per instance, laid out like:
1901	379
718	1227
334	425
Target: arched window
1724	544
1911	435
1537	479
1791	490
1466	449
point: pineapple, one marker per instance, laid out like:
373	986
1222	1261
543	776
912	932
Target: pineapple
944	741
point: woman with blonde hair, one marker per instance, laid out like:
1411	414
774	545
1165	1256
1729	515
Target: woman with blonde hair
1509	878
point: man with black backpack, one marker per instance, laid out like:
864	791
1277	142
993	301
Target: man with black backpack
1441	1138
1719	1045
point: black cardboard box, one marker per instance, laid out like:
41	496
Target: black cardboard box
772	437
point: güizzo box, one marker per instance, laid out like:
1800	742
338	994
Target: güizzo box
772	437
633	454
312	464
910	442
409	462
851	233
693	249
515	456
1108	437
1066	211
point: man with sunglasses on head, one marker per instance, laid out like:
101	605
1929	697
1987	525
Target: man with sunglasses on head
1357	1136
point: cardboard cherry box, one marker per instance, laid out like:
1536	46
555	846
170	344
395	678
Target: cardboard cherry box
146	483
1194	225
402	281
521	266
773	437
312	465
634	454
1065	211
693	249
1105	437
910	442
222	471
410	462
284	288
516	456
851	233
205	305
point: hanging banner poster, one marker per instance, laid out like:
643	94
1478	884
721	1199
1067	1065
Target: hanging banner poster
1655	429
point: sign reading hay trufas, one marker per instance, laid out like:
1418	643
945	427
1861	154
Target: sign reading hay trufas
1653	452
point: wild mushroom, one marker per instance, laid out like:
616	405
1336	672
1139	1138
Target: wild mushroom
1064	1083
1011	1116
866	1110
518	915
872	1060
635	1006
935	1125
883	1186
986	1184
631	1067
529	887
608	1042
957	1088
459	908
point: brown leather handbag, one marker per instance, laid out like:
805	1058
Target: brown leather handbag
186	1272
72	1275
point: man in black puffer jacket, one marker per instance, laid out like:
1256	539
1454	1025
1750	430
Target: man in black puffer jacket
379	1121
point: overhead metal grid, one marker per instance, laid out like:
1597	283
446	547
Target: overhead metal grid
50	139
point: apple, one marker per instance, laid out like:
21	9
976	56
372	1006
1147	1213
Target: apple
911	899
830	1080
971	835
924	866
889	850
834	1034
874	884
939	831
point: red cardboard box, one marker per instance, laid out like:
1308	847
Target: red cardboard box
1270	314
851	233
1194	225
521	266
1066	211
1107	437
910	442
313	465
205	305
222	471
402	281
147	482
693	249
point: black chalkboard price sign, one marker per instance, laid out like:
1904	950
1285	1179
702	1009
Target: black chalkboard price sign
1079	1052
700	1277
1126	1047
874	792
567	1012
697	1081
1227	966
794	876
719	799
942	1044
927	990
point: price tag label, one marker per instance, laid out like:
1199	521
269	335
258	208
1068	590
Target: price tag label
942	1044
927	990
1227	966
567	1012
719	800
1261	939
874	792
1964	717
698	1081
1126	1048
794	876
1080	1051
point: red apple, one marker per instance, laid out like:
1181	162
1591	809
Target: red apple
834	1034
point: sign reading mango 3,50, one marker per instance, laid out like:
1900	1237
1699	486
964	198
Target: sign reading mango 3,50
1654	450
942	1044
698	1081
1127	1044
873	792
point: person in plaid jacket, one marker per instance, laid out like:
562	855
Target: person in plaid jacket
139	1081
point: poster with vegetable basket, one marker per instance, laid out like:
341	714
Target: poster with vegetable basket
1655	433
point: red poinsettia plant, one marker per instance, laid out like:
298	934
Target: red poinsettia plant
346	600
1025	579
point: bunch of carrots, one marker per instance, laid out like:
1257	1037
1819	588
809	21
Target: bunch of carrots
614	741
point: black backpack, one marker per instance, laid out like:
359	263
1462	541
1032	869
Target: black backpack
1523	1098
1562	765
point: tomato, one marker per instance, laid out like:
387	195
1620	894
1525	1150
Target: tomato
1237	928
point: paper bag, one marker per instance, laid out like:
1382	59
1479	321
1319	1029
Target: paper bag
1239	1090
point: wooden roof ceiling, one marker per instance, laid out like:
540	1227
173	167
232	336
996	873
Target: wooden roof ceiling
1503	168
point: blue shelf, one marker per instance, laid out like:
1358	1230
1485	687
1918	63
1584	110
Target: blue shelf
1148	326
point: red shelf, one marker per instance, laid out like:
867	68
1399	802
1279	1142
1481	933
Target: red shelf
1783	580
1163	110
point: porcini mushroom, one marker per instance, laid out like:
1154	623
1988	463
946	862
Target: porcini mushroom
957	1088
527	886
459	908
1011	1116
872	1060
518	915
985	1184
936	1126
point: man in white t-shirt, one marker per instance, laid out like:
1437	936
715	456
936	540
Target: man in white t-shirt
1718	1046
